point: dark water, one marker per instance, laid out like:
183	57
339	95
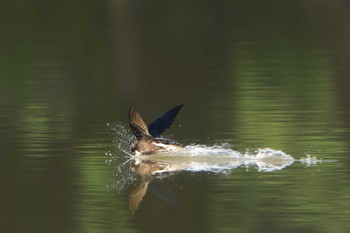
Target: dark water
252	74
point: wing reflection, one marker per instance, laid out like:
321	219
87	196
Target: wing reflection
159	185
153	169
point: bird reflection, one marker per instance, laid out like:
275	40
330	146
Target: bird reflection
153	177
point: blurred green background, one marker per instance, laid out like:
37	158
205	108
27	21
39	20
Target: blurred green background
257	73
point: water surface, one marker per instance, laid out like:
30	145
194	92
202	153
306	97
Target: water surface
254	76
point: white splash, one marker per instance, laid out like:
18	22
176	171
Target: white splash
218	159
310	160
195	158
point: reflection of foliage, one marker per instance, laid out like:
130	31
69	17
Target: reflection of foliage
280	96
264	80
283	200
99	202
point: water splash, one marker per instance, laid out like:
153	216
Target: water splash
269	160
122	137
217	159
195	158
310	160
119	156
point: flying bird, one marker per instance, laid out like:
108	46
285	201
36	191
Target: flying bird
149	138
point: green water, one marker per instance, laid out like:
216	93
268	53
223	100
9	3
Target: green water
252	74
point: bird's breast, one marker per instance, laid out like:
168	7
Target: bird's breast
167	147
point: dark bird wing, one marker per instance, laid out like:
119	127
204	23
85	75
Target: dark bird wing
137	125
162	123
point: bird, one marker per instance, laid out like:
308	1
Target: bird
149	138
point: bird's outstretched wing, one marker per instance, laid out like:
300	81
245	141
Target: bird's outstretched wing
137	124
162	123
